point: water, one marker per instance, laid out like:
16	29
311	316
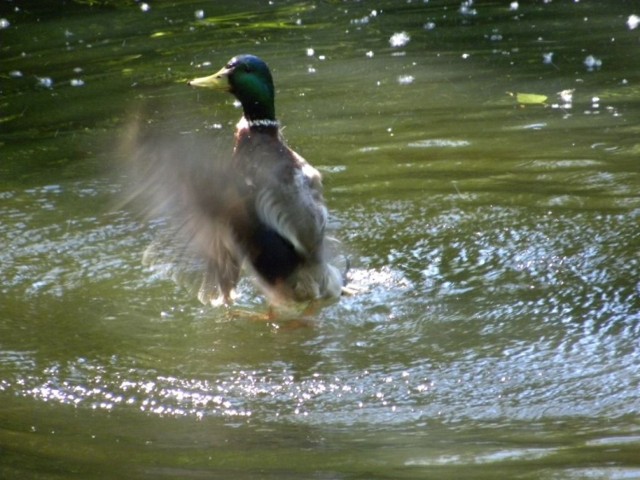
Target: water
496	334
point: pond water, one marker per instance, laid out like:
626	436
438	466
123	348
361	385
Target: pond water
493	235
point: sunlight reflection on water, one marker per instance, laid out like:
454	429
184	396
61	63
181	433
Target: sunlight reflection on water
493	244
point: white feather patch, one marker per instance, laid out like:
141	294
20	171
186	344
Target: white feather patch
272	212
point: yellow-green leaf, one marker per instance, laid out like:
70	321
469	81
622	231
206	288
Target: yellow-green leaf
530	98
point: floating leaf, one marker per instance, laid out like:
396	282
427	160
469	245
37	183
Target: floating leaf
529	98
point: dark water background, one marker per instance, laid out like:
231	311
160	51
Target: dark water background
497	333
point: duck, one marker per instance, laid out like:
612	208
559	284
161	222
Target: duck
269	214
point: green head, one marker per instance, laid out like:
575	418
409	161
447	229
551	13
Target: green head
249	79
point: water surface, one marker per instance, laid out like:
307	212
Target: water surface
495	243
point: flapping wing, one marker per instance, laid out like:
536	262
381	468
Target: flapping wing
182	185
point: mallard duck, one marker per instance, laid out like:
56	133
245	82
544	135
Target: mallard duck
271	214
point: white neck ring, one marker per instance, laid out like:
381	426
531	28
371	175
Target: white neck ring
263	123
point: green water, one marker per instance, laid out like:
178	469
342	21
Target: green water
497	330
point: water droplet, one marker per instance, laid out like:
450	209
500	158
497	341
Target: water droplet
46	82
566	95
592	63
633	21
364	20
145	7
399	39
467	9
4	23
199	14
360	21
405	79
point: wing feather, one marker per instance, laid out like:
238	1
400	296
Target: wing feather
295	209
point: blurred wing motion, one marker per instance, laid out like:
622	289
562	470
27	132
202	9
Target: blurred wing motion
186	187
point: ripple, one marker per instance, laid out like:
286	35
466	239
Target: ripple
52	253
439	143
495	456
600	473
479	314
